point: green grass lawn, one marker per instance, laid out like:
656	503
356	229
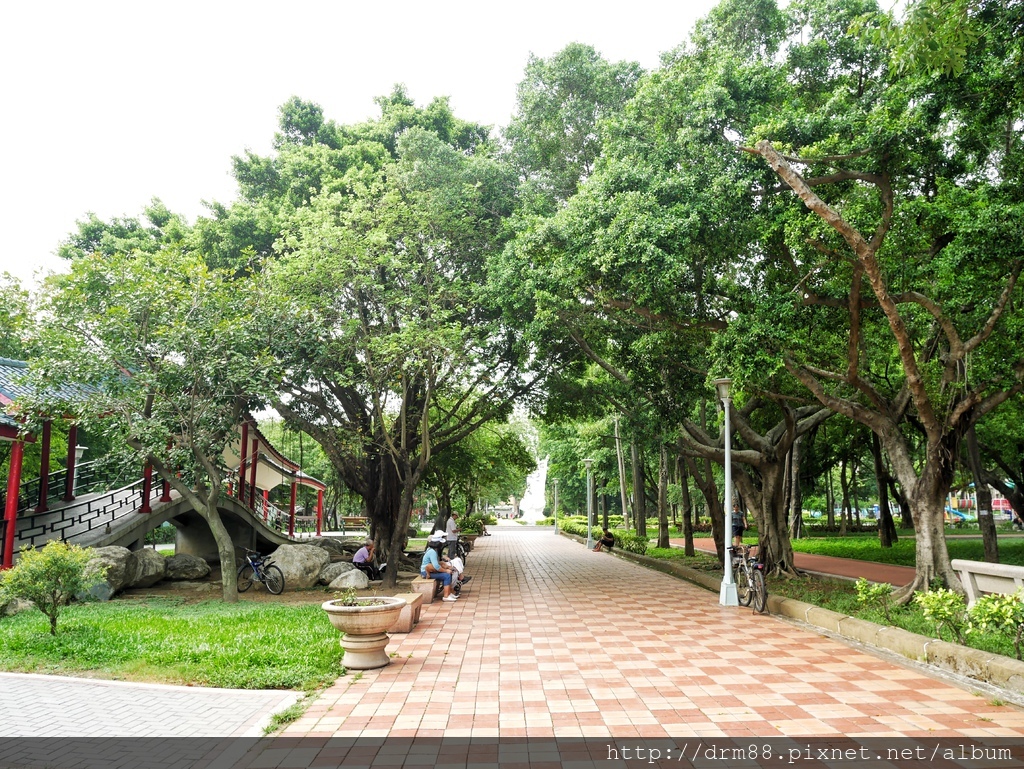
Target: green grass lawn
246	645
866	548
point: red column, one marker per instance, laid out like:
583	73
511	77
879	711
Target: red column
166	495
252	472
69	482
44	468
241	461
147	488
266	504
11	511
319	510
291	512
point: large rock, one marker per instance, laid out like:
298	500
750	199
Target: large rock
338	546
332	571
354	578
185	566
15	605
147	568
300	564
118	575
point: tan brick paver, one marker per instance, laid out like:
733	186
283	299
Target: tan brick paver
552	640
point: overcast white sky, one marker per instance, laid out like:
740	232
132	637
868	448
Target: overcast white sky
106	104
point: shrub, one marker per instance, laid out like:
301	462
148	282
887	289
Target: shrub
50	577
1000	614
945	608
631	543
875	594
474	524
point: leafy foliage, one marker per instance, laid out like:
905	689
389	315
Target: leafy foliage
875	594
946	609
1001	614
51	577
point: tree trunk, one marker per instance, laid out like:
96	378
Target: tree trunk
830	501
709	490
768	505
985	520
906	515
796	496
886	526
927	499
854	467
639	492
844	510
684	486
394	546
663	540
225	549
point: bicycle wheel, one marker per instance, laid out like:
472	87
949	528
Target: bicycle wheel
744	590
273	578
760	590
245	575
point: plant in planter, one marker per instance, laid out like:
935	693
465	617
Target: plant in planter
473	525
363	623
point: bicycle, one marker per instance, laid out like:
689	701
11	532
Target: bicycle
259	568
750	584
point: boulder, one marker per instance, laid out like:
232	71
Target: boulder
185	566
300	564
116	561
147	567
14	605
332	571
353	578
331	545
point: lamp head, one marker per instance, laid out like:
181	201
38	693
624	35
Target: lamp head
723	386
587	463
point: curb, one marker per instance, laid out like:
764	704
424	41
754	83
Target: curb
986	667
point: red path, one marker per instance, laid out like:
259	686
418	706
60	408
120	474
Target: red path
837	567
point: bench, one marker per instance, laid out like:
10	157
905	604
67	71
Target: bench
356	521
980	577
410	613
430	588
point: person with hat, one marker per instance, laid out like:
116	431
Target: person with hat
452	534
432	568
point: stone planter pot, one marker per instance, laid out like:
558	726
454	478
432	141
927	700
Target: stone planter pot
363	628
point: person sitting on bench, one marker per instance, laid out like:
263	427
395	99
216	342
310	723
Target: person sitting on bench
363	560
607	540
432	568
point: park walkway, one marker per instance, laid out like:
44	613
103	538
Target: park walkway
552	640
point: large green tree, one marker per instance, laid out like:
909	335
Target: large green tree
167	355
393	343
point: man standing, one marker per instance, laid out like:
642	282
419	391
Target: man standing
452	532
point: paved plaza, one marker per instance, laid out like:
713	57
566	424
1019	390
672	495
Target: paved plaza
54	706
552	640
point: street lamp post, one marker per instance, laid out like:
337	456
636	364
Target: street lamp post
728	596
590	503
555	481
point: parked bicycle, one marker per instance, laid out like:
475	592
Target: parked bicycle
259	568
750	584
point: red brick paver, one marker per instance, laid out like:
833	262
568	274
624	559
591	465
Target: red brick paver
551	640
